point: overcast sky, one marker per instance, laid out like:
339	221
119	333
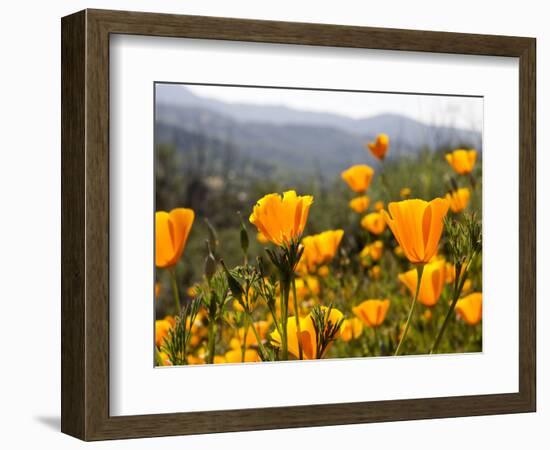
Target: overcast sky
461	112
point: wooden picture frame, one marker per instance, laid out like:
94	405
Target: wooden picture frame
85	224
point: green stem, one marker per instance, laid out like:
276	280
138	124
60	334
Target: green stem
211	342
419	271
245	336
284	319
376	345
297	319
175	290
458	289
258	338
385	186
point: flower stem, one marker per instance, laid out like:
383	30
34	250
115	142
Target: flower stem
245	337
211	342
456	295
256	334
284	319
419	271
297	318
175	290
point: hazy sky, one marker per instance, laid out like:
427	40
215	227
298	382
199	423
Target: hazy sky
462	112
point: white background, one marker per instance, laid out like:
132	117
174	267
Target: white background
30	230
136	387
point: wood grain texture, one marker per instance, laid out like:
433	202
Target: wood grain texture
73	270
85	224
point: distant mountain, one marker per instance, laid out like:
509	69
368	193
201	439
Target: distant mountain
285	136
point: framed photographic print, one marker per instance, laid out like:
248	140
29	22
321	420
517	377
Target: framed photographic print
271	224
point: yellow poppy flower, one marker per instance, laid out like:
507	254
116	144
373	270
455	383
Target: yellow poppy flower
306	286
235	356
308	335
405	192
374	222
319	249
372	312
470	308
379	205
323	271
379	147
218	359
359	204
433	281
358	177
171	233
281	219
459	199
417	226
375	272
170	320
462	161
373	251
351	329
161	331
157	290
165	361
195	360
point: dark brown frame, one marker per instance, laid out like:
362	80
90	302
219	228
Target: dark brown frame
85	224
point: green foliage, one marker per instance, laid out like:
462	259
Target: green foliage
176	344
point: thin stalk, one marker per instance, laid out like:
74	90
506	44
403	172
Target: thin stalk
211	342
419	271
284	319
245	336
376	345
258	338
175	290
273	313
297	319
458	290
384	182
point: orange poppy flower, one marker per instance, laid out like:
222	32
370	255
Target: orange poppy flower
374	222
431	286
308	335
358	177
379	147
281	219
417	226
319	249
373	251
360	204
171	233
462	161
351	329
459	199
372	312
470	309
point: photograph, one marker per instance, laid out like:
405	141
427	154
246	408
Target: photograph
295	223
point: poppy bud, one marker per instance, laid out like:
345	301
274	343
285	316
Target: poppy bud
209	263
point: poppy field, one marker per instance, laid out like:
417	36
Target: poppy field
382	259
